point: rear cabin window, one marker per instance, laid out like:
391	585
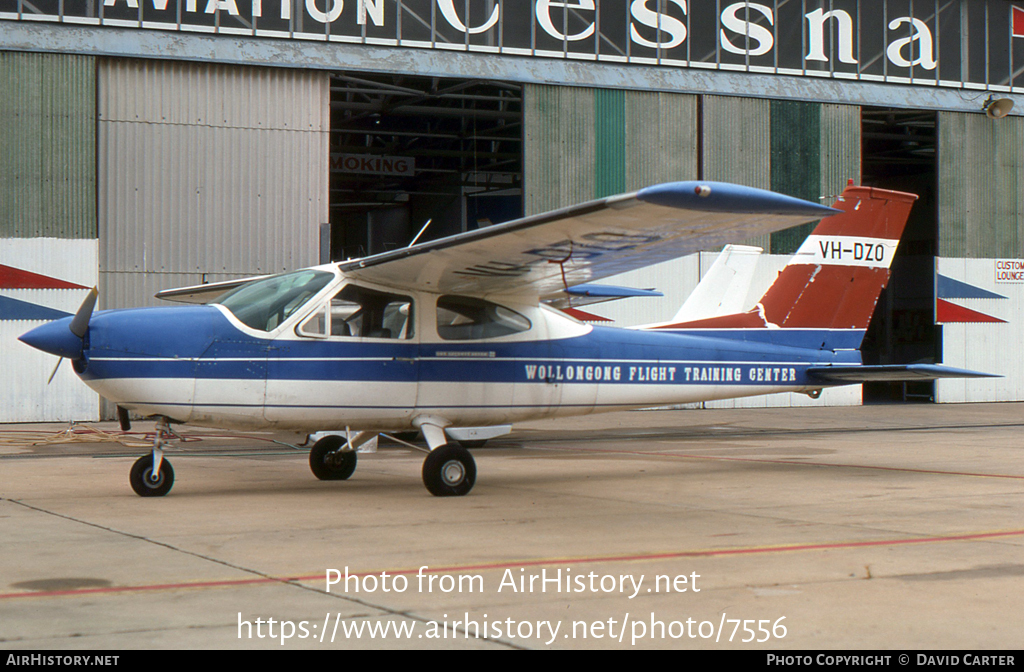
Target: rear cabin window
464	318
361	313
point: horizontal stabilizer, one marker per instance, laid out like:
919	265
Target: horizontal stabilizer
611	291
587	294
881	373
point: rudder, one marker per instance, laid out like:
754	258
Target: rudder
834	280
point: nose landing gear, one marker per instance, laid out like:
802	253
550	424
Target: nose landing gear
152	475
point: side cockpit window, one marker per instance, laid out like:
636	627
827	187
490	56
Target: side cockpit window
464	318
361	313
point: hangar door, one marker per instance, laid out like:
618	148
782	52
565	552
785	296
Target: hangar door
900	153
410	152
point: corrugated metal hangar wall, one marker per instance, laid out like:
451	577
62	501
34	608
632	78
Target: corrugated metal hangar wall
981	223
207	172
981	186
48	247
141	175
582	143
620	141
48	155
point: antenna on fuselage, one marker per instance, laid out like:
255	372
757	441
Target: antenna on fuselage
421	232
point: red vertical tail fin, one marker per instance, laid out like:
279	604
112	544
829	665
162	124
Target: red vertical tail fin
834	280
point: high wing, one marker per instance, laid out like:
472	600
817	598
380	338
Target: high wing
542	255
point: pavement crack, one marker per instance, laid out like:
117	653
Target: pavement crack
148	540
295	583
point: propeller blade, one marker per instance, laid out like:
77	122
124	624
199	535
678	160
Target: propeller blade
80	323
50	379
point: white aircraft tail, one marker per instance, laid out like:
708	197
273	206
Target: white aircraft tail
724	288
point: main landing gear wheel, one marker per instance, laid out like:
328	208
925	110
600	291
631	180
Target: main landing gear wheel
328	462
449	471
143	483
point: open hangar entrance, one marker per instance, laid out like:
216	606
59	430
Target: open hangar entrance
408	150
900	152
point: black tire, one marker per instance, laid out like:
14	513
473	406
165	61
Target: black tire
328	462
449	471
475	443
143	485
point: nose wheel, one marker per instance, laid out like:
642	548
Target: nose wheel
146	482
152	475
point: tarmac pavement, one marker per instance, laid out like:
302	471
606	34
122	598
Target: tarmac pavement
879	527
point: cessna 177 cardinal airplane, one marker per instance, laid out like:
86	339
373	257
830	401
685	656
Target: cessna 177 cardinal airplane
456	332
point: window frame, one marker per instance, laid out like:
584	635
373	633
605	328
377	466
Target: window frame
485	304
327	310
317	274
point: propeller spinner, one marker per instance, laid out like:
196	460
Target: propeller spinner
64	337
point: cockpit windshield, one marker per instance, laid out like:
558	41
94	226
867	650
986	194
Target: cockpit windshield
265	304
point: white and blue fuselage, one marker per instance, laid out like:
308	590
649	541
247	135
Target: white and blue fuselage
201	365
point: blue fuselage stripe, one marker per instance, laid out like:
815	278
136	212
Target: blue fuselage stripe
212	349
